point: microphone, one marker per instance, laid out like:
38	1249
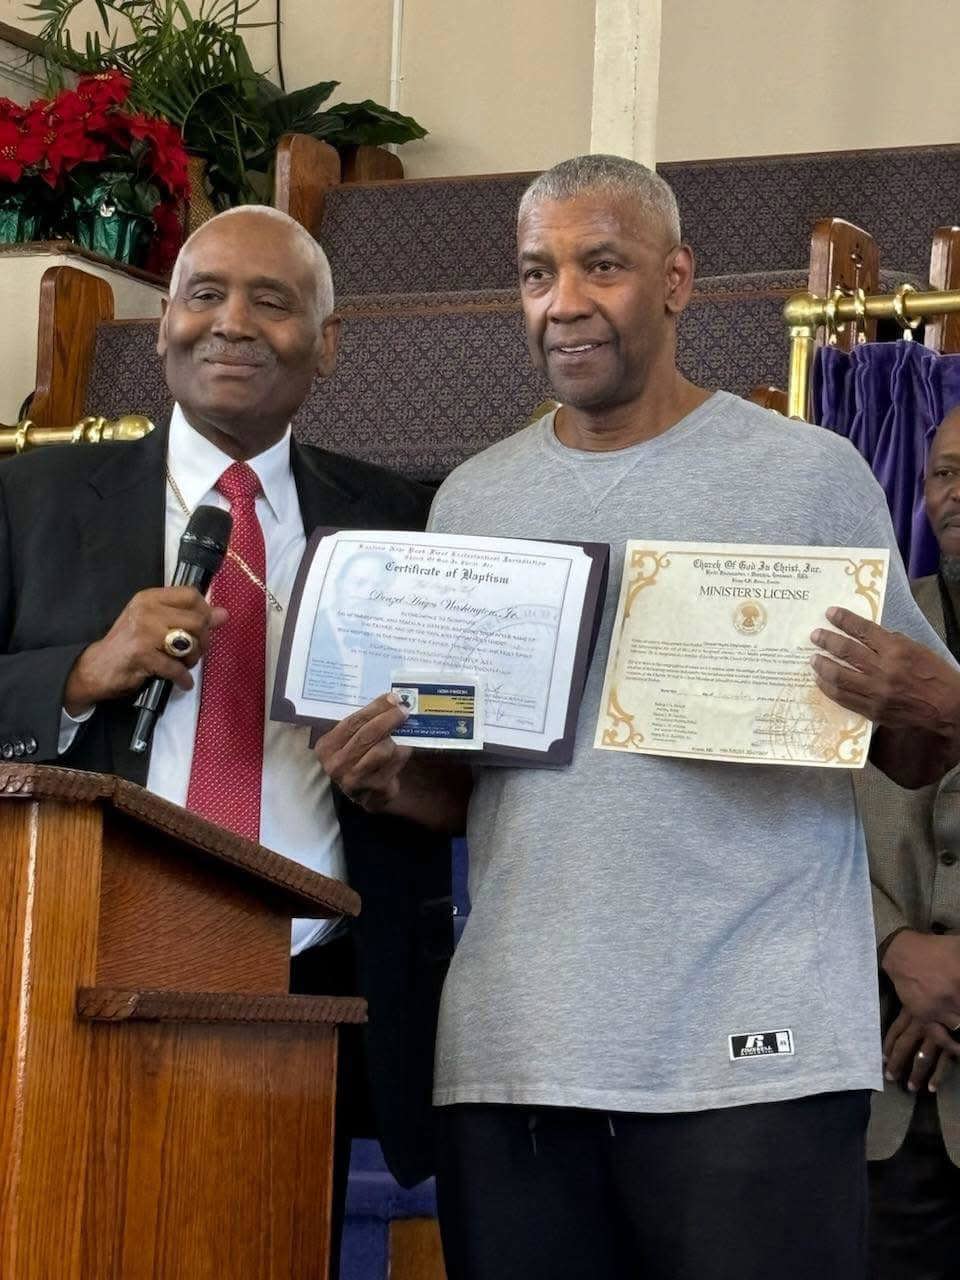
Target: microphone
202	548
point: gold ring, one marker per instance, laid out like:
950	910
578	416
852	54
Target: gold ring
179	643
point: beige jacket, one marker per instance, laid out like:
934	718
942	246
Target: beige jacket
913	840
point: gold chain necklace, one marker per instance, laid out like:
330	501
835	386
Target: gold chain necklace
237	559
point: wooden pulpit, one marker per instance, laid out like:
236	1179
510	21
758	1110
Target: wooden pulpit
166	1107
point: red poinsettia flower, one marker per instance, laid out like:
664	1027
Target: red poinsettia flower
104	89
62	128
168	219
10	110
70	106
168	159
19	148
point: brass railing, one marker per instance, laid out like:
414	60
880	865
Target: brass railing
27	435
806	312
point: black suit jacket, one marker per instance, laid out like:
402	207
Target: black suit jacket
81	531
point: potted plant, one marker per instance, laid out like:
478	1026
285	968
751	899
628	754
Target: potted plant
193	69
82	165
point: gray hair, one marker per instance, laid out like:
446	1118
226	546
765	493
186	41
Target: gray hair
315	255
586	175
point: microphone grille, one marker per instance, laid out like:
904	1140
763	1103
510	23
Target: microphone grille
206	537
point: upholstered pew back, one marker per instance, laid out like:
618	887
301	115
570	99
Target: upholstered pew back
422	383
742	215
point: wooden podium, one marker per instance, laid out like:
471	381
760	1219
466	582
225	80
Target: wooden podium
166	1107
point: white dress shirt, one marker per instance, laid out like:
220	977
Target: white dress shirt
297	817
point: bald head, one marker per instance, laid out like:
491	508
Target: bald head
248	327
941	491
276	220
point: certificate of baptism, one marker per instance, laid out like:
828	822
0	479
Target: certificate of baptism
504	628
710	653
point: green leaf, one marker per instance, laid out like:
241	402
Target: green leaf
368	124
296	112
191	67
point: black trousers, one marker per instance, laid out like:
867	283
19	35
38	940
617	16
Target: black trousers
330	970
915	1205
745	1193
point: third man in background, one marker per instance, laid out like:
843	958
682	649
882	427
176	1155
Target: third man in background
913	839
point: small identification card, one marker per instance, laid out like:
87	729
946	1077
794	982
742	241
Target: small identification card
761	1044
446	710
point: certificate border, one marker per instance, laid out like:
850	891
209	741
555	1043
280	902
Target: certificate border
560	751
621	732
466	665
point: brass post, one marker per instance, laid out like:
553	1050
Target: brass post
804	313
26	435
801	362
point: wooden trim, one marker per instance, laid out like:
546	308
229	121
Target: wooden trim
665	168
72	304
942	333
460	306
354	312
22	39
304	171
769	397
67	247
451	180
110	1004
844	256
369	164
308	888
415	1250
857	153
47	781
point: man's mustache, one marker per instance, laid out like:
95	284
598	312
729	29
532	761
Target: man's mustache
234	352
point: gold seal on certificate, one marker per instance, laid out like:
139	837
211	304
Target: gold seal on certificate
710	653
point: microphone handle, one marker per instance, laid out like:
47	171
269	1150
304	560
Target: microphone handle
152	698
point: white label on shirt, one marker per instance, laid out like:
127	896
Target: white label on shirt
761	1044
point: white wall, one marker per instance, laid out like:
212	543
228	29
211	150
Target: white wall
508	84
502	85
760	77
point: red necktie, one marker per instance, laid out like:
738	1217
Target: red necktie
227	769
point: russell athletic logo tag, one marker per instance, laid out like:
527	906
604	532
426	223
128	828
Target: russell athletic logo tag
761	1044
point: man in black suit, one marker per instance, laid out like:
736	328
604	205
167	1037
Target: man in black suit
88	537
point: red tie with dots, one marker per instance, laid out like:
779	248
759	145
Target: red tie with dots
227	769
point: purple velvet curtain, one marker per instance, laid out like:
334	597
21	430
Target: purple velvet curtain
887	398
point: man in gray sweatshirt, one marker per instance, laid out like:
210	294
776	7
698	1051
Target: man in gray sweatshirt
635	916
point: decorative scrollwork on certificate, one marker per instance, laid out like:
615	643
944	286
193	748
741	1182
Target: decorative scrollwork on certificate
621	732
848	748
868	575
648	564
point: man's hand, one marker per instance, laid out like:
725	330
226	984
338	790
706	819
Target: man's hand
890	679
917	1054
359	756
911	694
132	650
925	969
